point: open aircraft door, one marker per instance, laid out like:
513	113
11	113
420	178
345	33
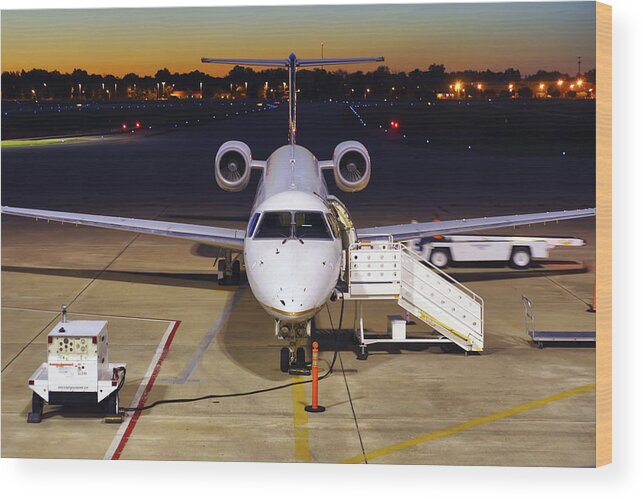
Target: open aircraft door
347	229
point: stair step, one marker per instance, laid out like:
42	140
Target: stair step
389	269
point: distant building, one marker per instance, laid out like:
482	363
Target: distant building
186	94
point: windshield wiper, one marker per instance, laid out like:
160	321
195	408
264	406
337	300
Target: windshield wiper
293	235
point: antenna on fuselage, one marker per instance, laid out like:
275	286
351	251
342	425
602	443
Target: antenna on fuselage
292	63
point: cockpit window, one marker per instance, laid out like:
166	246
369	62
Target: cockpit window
253	224
311	225
299	225
276	224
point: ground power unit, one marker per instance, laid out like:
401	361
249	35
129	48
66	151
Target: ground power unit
77	371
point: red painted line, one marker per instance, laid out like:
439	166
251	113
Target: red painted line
146	392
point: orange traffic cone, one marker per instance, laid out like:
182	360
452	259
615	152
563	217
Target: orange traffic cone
315	407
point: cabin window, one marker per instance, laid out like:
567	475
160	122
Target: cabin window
275	224
253	224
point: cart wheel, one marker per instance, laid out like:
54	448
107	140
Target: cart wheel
111	405
440	258
300	363
362	352
37	405
284	360
520	257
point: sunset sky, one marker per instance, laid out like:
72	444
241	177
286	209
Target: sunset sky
526	36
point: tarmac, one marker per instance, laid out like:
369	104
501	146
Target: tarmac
183	336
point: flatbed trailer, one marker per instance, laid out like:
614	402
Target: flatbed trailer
542	338
517	251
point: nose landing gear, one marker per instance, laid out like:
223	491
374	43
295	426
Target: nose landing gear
293	364
292	359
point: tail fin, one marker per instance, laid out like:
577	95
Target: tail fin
292	63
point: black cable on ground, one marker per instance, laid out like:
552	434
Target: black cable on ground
254	392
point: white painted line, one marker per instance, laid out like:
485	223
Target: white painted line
209	337
144	388
129	317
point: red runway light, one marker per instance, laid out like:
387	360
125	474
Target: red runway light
124	126
138	125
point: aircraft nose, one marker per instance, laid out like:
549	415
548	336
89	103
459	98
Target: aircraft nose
293	282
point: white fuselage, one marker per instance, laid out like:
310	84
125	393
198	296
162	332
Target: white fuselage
292	275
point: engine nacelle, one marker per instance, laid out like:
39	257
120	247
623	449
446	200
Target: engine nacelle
232	166
351	166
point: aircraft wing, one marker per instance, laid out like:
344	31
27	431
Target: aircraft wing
218	236
406	232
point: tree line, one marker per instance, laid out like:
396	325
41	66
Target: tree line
242	82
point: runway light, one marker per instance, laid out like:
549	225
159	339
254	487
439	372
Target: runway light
560	83
138	125
124	126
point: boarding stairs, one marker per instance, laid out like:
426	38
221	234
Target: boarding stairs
382	269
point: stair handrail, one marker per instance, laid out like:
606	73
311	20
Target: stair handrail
451	279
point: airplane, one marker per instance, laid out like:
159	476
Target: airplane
297	234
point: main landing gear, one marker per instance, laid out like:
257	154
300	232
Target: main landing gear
229	269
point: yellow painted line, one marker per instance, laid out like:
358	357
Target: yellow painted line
300	420
467	425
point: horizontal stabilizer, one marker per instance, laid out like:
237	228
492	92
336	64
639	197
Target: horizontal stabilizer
280	63
327	62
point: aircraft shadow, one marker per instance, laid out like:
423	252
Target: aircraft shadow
185	280
487	272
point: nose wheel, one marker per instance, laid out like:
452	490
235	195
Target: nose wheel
292	360
284	359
